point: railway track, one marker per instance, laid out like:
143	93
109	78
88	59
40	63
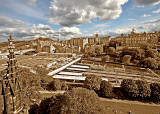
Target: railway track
77	71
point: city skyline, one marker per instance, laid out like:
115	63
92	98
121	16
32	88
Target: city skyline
29	19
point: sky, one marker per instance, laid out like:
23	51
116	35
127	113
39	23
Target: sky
65	19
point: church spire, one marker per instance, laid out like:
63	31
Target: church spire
10	86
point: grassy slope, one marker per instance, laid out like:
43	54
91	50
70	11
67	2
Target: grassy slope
124	106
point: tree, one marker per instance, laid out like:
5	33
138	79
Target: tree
145	46
150	53
106	89
155	92
111	51
28	78
81	101
90	51
106	58
129	88
143	88
64	86
75	101
134	53
98	50
30	85
42	72
33	109
45	105
114	44
126	59
54	85
92	82
150	63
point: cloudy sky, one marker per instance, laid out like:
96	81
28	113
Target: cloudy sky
29	19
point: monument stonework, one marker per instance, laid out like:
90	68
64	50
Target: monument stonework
10	87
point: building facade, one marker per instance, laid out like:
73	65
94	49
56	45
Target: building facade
82	42
44	45
137	39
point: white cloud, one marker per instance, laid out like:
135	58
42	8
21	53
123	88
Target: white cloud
146	15
152	21
11	23
68	32
147	2
23	8
22	31
156	11
46	31
140	6
70	29
131	19
74	12
147	26
156	3
43	27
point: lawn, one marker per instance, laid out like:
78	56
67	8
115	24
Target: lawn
114	106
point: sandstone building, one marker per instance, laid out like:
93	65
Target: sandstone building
44	45
82	43
135	40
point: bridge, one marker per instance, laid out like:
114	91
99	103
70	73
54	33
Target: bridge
20	52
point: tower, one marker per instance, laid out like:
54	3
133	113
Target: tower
11	91
133	31
97	39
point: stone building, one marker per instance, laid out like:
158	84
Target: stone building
137	39
44	45
10	88
81	43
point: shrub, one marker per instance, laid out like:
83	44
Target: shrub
126	59
135	53
54	85
106	58
150	63
151	53
42	72
45	105
129	88
106	89
155	92
27	78
103	59
98	50
75	101
143	88
30	85
33	109
145	46
97	67
31	95
90	51
64	86
111	51
81	101
92	82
